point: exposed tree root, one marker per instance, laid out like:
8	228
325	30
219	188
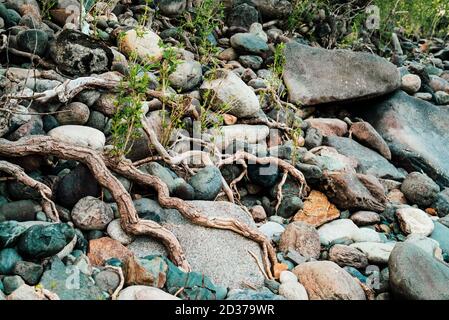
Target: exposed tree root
47	204
126	169
44	145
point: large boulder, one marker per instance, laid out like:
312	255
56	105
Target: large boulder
315	76
80	55
416	132
417	275
220	254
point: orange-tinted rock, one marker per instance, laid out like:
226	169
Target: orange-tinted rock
396	196
106	248
317	210
329	126
278	268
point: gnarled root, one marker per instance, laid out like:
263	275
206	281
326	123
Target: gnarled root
126	169
45	192
44	145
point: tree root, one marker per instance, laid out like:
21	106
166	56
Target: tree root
127	170
47	204
44	145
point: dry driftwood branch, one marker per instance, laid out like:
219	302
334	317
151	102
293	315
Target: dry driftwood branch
70	88
17	172
44	145
127	170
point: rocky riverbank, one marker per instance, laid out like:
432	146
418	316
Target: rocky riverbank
335	159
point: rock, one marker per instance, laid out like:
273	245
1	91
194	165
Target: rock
80	136
442	98
249	61
227	89
365	218
420	189
41	241
369	162
377	253
417	275
107	280
206	183
329	126
12	283
26	292
287	276
293	291
366	235
317	210
338	229
354	191
414	221
144	293
145	45
188	75
228	54
301	237
364	133
315	76
77	184
116	232
149	209
248	42
257	212
313	138
273	8
411	83
348	256
396	196
103	249
250	134
290	204
60	279
22	210
325	280
33	41
416	147
28	271
80	55
441	203
440	234
106	104
271	229
89	213
172	7
249	294
10	231
74	113
8	259
222	255
243	15
32	127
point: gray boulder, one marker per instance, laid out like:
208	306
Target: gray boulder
315	76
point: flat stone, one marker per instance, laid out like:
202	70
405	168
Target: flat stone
145	46
414	221
144	293
377	253
301	237
315	76
317	210
338	229
80	136
365	218
348	256
222	255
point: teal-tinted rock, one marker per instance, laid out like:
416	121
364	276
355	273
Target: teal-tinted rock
41	241
250	61
10	232
33	41
196	285
249	294
156	269
11	283
69	283
206	183
28	271
8	259
11	17
356	273
149	209
19	191
114	262
441	235
273	285
248	42
263	175
290	206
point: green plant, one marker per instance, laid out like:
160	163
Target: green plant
205	18
47	5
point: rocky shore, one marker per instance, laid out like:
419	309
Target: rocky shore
141	160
